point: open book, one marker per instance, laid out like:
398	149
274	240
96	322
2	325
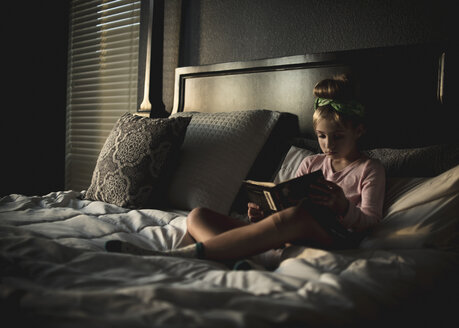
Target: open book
273	197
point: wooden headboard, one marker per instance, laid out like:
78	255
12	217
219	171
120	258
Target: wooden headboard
408	90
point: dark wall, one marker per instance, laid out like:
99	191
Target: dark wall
222	30
32	131
215	31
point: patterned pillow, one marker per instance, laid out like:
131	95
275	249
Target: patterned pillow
135	163
426	161
216	156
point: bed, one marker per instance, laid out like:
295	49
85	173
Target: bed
233	121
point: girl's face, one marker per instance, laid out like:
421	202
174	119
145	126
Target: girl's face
336	140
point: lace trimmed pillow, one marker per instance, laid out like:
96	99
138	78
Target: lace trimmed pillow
136	161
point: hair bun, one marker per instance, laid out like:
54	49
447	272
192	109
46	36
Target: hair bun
339	87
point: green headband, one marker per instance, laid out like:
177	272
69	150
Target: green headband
349	108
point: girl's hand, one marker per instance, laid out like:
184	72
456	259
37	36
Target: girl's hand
331	195
254	212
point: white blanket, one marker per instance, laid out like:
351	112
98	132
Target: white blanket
54	271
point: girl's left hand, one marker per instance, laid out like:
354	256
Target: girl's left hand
331	195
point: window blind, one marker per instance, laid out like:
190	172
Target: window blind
102	79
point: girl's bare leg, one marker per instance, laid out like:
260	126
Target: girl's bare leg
225	238
203	224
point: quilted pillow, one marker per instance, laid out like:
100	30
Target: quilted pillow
426	161
135	163
217	154
425	214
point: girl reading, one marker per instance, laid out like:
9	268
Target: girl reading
347	203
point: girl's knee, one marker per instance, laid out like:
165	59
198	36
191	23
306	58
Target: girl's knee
196	212
197	216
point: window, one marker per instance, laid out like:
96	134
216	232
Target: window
102	79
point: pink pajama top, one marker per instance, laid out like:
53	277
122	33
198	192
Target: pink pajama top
363	183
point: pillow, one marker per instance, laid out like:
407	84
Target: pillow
309	143
217	153
427	215
291	163
135	163
270	158
397	187
427	161
417	162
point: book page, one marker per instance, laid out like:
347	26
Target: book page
261	183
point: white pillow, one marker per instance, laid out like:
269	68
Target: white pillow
425	216
291	163
217	154
397	187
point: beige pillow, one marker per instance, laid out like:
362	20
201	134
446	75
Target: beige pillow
427	215
217	154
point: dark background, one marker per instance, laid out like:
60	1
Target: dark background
195	33
32	130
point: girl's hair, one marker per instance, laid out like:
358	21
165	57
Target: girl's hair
339	88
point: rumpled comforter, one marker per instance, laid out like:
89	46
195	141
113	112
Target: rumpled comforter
56	273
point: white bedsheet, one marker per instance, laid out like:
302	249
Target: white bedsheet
55	271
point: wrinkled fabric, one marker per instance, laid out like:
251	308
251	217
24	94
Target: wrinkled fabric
55	272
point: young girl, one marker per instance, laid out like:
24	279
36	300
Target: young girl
348	201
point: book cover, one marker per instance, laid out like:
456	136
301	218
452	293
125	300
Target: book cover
272	197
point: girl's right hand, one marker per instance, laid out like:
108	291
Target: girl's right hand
254	212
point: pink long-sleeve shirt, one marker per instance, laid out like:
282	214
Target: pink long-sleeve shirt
363	183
